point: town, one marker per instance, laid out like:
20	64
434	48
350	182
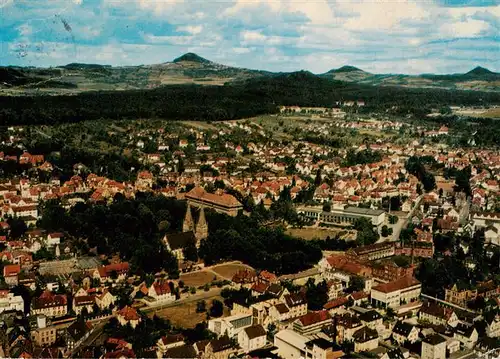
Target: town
311	233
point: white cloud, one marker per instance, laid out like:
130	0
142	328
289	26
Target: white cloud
241	50
174	40
467	28
25	30
252	36
193	30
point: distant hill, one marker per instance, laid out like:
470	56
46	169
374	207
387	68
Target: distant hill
345	68
191	57
191	68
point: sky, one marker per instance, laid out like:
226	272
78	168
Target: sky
379	36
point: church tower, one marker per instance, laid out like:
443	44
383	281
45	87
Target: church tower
201	227
188	224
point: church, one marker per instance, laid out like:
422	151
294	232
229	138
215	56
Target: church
192	234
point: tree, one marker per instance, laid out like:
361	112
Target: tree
317	295
385	231
356	284
201	306
327	207
217	309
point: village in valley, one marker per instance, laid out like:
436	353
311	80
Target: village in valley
316	233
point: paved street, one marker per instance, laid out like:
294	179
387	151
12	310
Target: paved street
214	292
403	222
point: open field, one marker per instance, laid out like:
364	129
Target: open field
200	125
198	278
185	315
315	233
228	270
492	113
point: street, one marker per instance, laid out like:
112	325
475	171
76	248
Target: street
403	222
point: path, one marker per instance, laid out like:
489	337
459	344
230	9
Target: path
214	292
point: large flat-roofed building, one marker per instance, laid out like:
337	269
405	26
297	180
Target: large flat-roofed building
230	326
371	252
220	202
343	216
397	293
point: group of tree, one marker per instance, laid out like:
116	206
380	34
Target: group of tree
241	99
130	227
416	166
243	238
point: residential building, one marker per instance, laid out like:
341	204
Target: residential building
43	333
365	339
466	334
438	315
50	304
433	347
297	304
252	338
345	327
290	344
11	273
161	291
10	301
128	315
459	296
112	272
312	322
76	333
394	294
493	327
105	299
405	332
83	302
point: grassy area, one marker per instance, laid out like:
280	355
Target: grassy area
185	315
198	279
228	270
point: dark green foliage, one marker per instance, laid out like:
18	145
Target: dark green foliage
317	294
361	157
236	100
128	227
366	234
416	166
217	309
242	238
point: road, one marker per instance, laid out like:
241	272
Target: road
402	223
96	333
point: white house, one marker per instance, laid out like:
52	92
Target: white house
230	326
10	301
252	338
160	290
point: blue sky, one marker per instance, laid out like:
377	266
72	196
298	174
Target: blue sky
381	36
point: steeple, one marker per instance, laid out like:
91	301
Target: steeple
201	227
188	224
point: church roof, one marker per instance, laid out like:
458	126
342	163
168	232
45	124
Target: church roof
180	240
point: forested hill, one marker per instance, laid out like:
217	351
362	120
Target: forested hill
232	101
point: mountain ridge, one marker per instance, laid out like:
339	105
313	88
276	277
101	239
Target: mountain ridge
191	68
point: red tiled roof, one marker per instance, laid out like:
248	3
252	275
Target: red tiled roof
338	302
10	270
119	268
161	287
315	317
128	313
399	284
